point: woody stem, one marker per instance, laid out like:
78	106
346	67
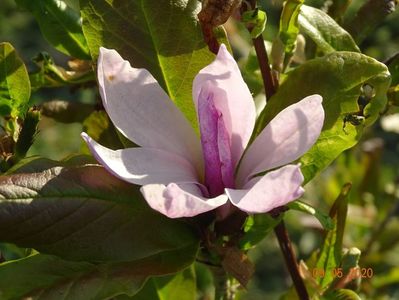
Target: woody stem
280	230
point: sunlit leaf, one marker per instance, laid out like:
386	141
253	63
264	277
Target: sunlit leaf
256	228
341	294
289	28
324	219
171	48
84	213
14	83
48	277
343	74
60	25
330	256
324	31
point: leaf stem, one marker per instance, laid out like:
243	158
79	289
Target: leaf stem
290	260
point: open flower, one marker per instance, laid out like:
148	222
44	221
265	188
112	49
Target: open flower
183	175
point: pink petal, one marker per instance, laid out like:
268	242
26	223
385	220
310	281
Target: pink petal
274	189
143	165
232	98
183	200
142	111
286	138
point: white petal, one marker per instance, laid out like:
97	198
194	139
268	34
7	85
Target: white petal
274	189
180	200
142	111
232	98
142	165
286	138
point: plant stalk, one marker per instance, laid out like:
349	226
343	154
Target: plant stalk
281	232
290	260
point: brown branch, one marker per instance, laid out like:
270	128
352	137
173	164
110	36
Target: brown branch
290	260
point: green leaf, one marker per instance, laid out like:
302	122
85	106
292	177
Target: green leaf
84	213
171	48
341	294
256	228
50	75
324	31
289	28
324	219
48	277
60	25
330	255
14	83
343	74
100	128
179	286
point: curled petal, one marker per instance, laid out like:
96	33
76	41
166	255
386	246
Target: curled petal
286	138
142	111
179	200
142	165
231	97
274	189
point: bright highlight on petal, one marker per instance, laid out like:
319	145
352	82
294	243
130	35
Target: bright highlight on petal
274	189
142	111
286	138
183	200
232	99
143	165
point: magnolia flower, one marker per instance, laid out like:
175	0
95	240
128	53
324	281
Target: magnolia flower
183	175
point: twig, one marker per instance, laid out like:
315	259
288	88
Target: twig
280	230
290	260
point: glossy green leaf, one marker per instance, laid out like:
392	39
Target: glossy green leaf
14	83
178	286
84	213
330	255
343	74
171	48
45	277
256	228
60	25
324	219
324	31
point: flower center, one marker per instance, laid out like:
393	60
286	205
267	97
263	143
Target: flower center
215	141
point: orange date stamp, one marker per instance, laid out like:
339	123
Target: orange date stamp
352	273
